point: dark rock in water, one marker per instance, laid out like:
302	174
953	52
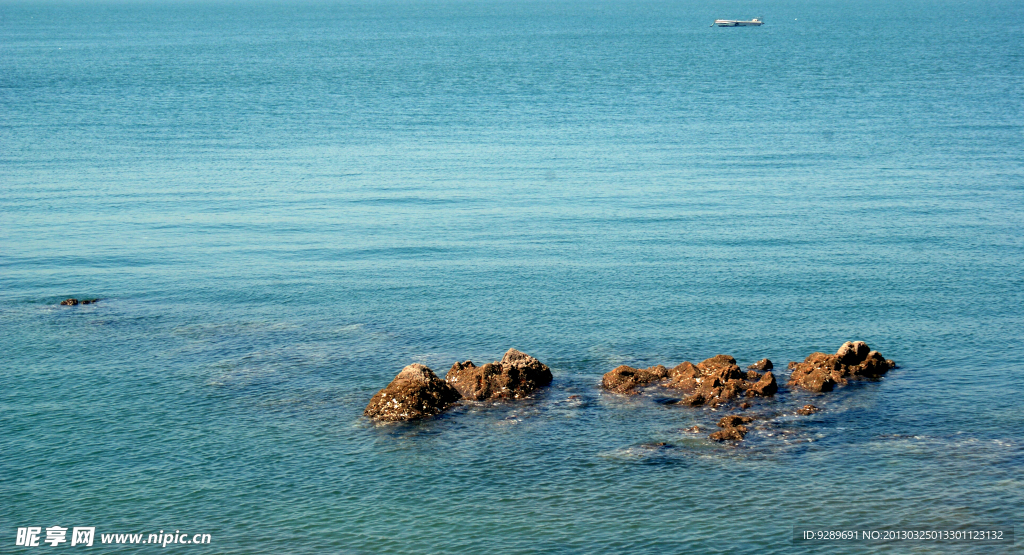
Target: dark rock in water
853	352
733	428
807	409
821	372
764	387
624	379
693	430
515	376
761	365
818	372
736	433
76	302
657	445
683	376
713	382
733	420
722	366
416	392
719	380
874	365
744	405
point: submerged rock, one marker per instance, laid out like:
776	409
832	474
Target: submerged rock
733	428
76	302
730	434
761	365
515	376
821	372
416	392
807	410
625	379
733	420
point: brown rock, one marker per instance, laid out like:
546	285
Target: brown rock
89	301
69	302
730	434
695	400
761	365
721	366
624	379
853	353
733	428
821	372
515	376
765	387
683	376
816	373
733	420
807	409
745	405
874	365
719	380
416	392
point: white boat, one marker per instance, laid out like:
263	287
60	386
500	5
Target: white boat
737	23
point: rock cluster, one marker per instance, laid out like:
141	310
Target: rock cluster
416	392
821	372
75	302
625	379
733	428
719	380
514	377
712	382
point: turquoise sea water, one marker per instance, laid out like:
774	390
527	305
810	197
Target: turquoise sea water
283	204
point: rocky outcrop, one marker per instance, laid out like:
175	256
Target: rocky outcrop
761	365
515	376
733	428
807	410
625	379
76	302
416	392
764	387
733	420
719	380
821	372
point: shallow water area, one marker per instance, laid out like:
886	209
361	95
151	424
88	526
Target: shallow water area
282	204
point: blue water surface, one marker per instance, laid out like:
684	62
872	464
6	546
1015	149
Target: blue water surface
283	204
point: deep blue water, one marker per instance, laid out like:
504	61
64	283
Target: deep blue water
283	204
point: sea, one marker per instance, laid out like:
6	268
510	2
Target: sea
282	204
